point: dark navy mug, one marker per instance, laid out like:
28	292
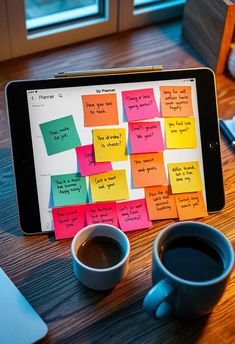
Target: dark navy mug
179	286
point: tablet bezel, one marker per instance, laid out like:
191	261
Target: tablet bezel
25	179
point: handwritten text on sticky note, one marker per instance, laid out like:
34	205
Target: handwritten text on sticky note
132	215
145	137
109	186
160	204
185	177
148	169
87	163
110	144
68	221
100	109
180	132
102	213
68	189
60	135
176	101
140	104
191	205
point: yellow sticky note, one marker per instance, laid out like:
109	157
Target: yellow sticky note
110	144
109	186
180	132
185	177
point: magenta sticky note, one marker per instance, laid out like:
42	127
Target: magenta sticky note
105	212
86	161
146	137
140	104
68	220
133	215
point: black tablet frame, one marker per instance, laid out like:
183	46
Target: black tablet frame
22	150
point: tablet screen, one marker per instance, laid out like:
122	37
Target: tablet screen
140	134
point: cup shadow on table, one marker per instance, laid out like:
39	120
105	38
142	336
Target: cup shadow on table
55	292
132	325
58	296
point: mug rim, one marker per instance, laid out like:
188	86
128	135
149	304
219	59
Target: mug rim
176	278
113	267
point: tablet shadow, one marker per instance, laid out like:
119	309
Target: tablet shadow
8	205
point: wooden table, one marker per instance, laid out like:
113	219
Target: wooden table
41	267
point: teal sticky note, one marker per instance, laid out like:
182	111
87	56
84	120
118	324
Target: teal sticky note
60	135
68	189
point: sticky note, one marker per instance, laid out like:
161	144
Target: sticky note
102	213
145	137
160	203
185	177
148	169
60	135
191	205
68	189
87	163
110	144
100	109
132	215
68	221
109	186
176	101
140	104
180	132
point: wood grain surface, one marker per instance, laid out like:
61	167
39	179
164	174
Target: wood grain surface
41	267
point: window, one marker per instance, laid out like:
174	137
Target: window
28	26
136	13
36	25
138	3
40	14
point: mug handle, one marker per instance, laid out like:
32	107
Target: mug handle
154	302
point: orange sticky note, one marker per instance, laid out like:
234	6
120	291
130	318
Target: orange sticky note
176	101
190	205
160	204
185	177
148	169
100	109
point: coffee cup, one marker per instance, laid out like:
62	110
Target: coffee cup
100	255
191	263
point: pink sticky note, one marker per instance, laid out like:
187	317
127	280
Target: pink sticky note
146	137
102	213
133	215
87	164
140	104
68	220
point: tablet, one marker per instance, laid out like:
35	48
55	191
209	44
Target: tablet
110	138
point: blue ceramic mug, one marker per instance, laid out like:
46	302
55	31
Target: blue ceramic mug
105	278
187	298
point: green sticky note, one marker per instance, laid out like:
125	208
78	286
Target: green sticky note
60	135
68	189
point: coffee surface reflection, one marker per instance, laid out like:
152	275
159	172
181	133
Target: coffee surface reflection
100	252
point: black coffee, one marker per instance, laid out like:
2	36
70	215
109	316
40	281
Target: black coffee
100	252
192	259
